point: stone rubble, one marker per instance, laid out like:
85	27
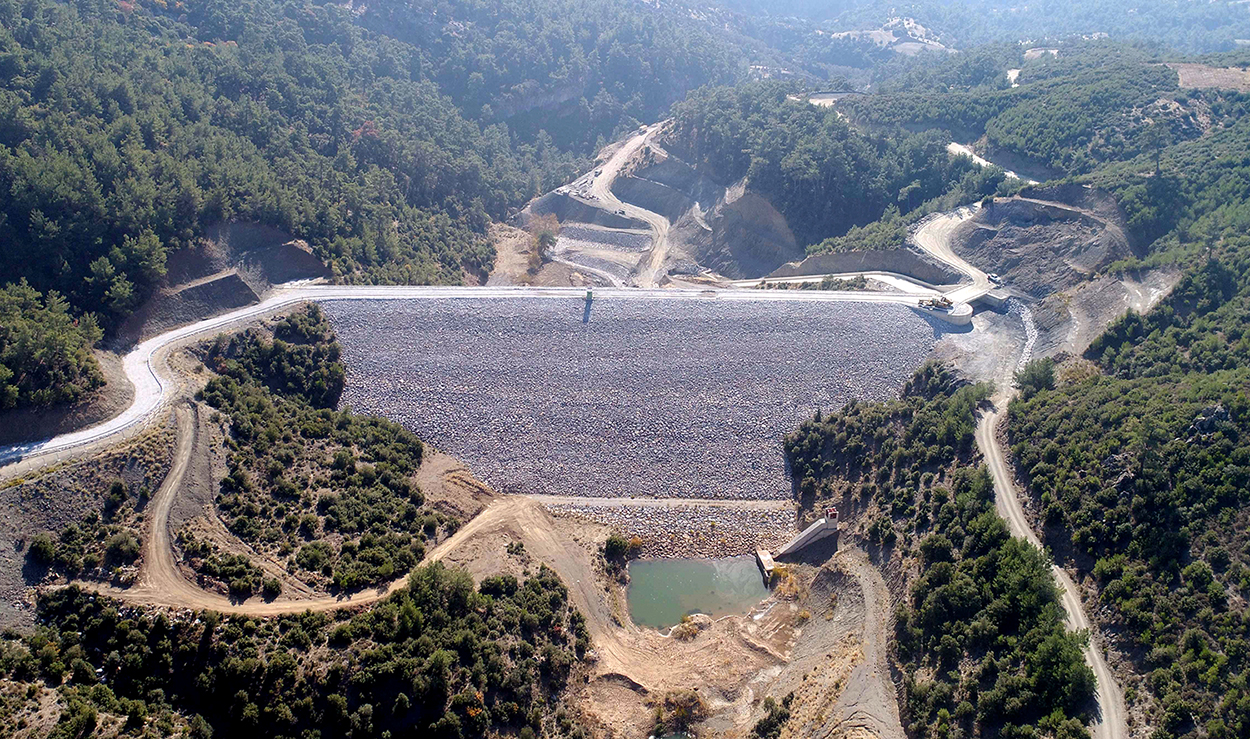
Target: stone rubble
681	398
680	530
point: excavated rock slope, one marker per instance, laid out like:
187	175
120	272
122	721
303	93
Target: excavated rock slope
732	230
1041	245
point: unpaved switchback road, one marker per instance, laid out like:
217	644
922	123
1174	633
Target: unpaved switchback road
935	238
162	584
1111	723
620	647
648	270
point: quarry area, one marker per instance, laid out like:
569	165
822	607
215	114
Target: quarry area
561	416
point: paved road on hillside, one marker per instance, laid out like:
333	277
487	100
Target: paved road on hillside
154	386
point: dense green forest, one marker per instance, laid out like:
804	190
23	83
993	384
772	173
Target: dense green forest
45	353
125	132
981	634
1143	481
387	139
1097	102
580	70
819	172
1141	476
438	658
329	492
1139	469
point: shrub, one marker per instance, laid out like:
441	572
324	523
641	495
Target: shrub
122	547
615	548
42	549
1035	377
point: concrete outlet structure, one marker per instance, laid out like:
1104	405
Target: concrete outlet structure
821	529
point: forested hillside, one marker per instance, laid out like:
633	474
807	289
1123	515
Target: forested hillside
823	175
1093	104
328	493
581	71
1139	471
127	129
1186	26
981	635
439	657
45	355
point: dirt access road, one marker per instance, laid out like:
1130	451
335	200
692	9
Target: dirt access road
935	238
1112	722
957	149
162	583
649	660
647	273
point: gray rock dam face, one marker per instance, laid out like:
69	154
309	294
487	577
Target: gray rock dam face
657	398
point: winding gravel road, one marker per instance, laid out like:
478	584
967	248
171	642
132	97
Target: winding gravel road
1111	723
935	238
647	273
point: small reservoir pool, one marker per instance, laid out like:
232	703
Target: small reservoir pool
661	591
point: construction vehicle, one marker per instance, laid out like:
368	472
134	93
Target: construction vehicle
940	302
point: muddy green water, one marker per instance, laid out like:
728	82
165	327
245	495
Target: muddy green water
661	591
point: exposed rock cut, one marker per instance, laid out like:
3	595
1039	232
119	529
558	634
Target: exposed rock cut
1043	246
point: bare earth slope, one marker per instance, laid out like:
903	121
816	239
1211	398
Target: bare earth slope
1041	246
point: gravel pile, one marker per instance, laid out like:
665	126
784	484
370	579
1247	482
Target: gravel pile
690	531
655	398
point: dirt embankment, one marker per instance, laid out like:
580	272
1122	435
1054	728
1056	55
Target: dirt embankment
568	208
1044	246
231	268
839	667
56	496
1070	321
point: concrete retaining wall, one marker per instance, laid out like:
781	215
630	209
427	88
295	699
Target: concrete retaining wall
960	316
822	529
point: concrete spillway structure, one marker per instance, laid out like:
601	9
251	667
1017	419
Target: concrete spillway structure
822	529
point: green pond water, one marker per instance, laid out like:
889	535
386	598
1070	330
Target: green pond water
661	591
